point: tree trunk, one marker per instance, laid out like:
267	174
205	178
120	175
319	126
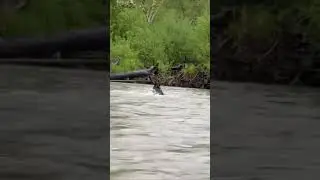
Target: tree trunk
64	43
130	75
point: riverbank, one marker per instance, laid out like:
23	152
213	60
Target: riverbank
199	80
178	79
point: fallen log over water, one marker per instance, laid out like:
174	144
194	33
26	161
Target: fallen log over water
62	63
130	75
125	77
64	43
133	81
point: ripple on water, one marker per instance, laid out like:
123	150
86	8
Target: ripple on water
159	137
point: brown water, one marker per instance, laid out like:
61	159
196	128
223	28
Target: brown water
264	132
53	124
159	137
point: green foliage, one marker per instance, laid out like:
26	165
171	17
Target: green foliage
173	32
190	70
129	57
45	17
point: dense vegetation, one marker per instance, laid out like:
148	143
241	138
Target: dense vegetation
274	41
49	16
166	33
143	32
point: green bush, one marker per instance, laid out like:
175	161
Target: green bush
173	35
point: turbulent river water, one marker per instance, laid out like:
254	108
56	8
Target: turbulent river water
159	137
53	124
265	132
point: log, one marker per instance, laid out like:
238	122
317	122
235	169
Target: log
132	81
130	75
64	43
62	63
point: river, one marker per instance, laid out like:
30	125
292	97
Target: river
159	137
53	124
265	132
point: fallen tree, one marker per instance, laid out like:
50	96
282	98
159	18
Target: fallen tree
63	43
125	77
61	63
131	75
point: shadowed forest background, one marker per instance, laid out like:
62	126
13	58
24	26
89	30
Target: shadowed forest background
266	41
38	17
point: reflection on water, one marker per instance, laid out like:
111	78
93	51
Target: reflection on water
159	137
265	132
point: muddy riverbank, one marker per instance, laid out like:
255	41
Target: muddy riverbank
173	78
175	81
